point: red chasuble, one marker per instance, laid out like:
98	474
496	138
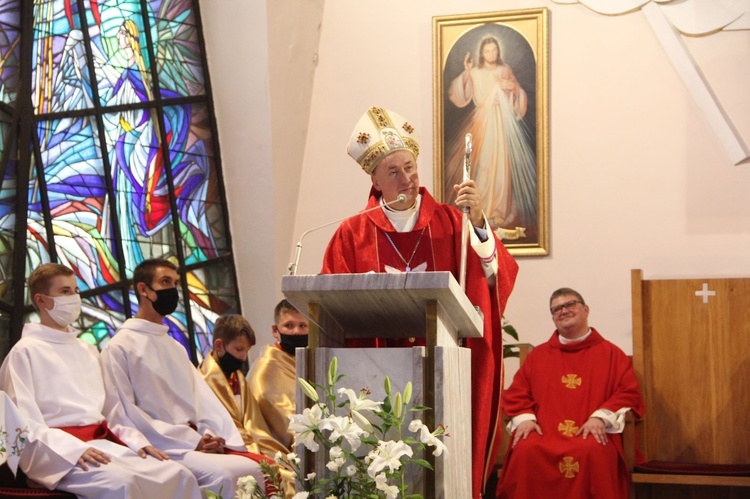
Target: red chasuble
361	244
563	385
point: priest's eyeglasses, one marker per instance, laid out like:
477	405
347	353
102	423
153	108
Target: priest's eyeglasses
565	306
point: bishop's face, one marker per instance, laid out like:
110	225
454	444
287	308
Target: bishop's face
397	174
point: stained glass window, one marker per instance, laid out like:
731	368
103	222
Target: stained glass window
106	120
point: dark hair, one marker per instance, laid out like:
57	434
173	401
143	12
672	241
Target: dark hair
283	307
486	41
566	292
146	270
229	327
40	279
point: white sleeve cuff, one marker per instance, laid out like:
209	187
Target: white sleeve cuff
614	421
517	420
486	250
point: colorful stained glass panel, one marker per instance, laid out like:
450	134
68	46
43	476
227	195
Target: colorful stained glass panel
177	50
10	21
212	294
101	315
60	77
78	202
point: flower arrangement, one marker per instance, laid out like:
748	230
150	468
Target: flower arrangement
363	458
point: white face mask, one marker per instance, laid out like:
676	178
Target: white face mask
66	310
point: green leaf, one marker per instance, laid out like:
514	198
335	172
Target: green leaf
421	462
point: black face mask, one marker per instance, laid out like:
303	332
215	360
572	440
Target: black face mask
229	363
291	341
166	300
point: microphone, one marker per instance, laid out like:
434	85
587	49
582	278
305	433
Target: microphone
295	263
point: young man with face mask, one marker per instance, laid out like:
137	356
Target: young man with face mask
233	338
272	383
162	393
55	380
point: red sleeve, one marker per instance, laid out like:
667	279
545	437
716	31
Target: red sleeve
626	393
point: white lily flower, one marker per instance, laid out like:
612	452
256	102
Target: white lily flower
428	438
301	495
359	402
388	455
381	483
246	487
416	425
343	427
303	426
335	464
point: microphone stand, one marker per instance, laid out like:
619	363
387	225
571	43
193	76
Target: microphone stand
295	263
465	216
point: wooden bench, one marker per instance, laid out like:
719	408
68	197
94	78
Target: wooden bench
691	353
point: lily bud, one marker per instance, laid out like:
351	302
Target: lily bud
308	389
332	368
387	385
407	393
398	405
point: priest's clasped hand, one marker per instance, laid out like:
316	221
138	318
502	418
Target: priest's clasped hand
211	445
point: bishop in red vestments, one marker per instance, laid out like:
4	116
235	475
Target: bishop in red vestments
568	403
419	234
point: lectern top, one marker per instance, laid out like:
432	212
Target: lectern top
384	305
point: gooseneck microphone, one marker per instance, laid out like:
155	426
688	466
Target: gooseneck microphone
293	265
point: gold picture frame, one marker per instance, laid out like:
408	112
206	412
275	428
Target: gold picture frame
503	103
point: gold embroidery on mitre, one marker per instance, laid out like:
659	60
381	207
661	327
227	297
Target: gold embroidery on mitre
408	128
568	428
380	118
569	467
571	381
363	138
369	159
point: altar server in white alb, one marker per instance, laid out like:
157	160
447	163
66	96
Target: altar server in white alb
55	379
163	394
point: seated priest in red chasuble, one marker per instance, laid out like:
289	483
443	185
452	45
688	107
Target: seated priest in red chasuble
414	233
568	403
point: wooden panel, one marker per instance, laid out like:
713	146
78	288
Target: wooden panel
693	362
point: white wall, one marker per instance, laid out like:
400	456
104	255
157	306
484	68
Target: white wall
637	177
261	57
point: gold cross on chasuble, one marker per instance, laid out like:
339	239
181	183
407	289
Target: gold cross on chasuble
568	428
571	381
569	467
